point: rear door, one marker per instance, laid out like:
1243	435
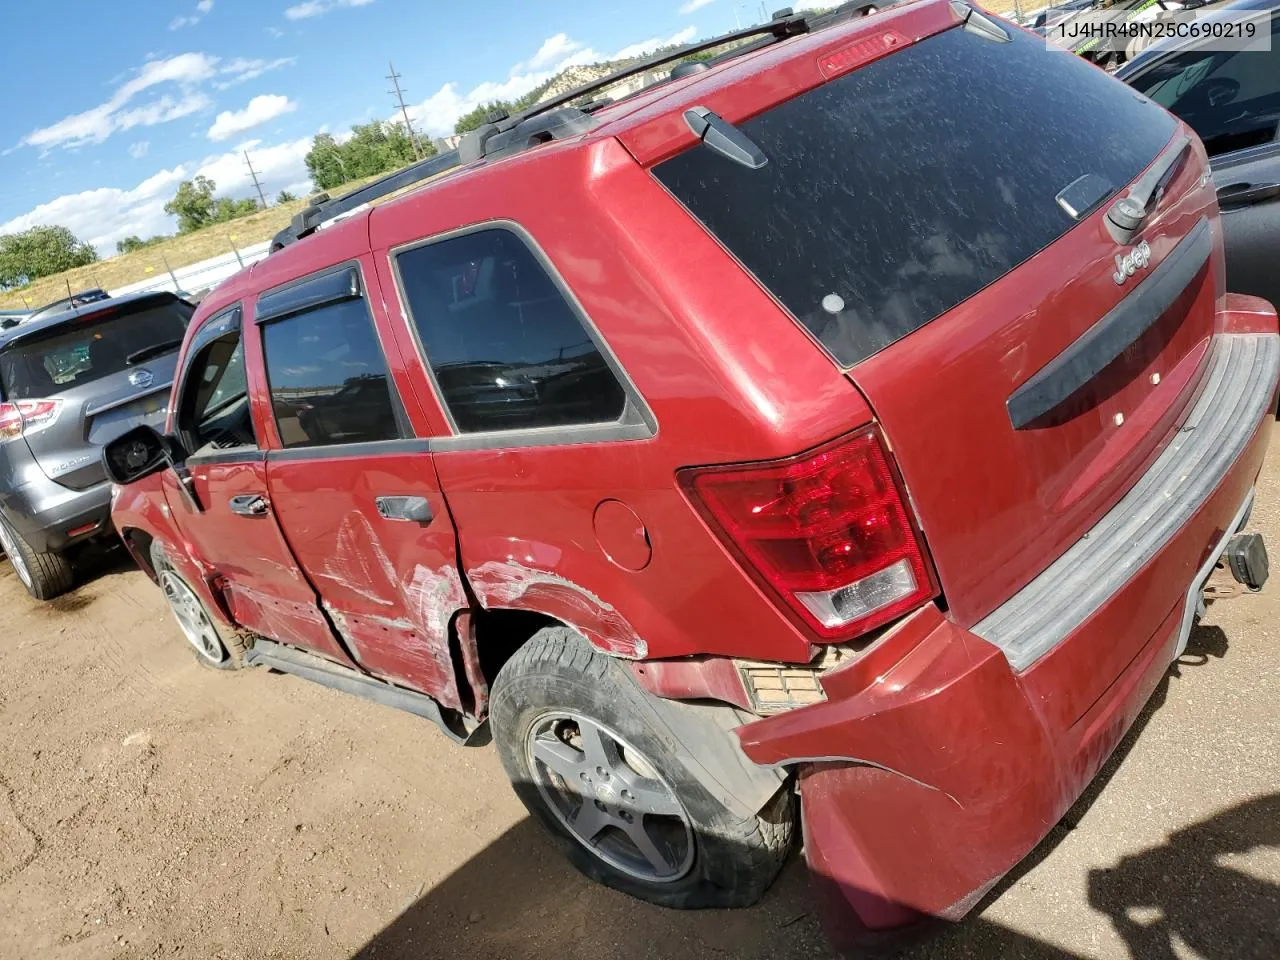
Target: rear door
934	221
354	490
108	371
219	496
1232	100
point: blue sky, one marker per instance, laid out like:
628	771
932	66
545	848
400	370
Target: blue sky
111	103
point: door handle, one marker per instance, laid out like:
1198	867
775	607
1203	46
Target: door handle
250	505
413	509
1245	194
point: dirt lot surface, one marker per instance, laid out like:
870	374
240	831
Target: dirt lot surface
150	807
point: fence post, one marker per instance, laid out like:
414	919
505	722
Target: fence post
176	287
239	260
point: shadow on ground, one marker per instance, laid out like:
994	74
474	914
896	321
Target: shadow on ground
89	563
519	898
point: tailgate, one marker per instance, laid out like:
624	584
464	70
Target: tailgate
935	221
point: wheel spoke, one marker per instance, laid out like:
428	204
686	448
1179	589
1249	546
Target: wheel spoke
639	836
560	757
589	820
599	747
651	797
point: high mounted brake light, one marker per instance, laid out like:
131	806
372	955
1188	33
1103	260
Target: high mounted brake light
828	532
22	415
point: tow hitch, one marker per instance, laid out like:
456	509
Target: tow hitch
1242	566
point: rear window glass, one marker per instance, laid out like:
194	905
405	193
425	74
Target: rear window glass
897	191
85	350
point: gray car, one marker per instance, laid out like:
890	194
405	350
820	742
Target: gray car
68	383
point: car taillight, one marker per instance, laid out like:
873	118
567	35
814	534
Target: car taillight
20	415
827	531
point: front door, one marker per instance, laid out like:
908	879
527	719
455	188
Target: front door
219	497
355	494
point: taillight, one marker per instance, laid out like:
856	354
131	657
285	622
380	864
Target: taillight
20	415
827	531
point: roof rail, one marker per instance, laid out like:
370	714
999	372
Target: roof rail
502	134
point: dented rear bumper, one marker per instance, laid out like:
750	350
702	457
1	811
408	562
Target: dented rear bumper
943	755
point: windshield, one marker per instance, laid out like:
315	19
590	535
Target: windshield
89	348
895	192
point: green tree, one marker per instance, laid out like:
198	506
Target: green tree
41	252
372	148
224	209
284	196
133	243
193	204
471	120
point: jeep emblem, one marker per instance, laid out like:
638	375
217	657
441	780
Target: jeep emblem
142	377
1128	264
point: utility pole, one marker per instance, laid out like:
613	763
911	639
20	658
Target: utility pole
404	111
253	173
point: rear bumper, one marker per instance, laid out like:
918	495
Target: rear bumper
45	513
941	758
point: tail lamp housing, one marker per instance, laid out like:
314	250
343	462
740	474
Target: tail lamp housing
827	532
19	416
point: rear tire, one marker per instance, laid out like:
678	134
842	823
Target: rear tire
588	755
45	575
214	645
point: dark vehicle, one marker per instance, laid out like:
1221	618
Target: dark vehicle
1231	98
861	417
69	381
80	299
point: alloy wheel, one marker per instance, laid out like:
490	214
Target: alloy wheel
195	623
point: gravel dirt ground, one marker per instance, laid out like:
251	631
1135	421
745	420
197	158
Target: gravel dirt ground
153	808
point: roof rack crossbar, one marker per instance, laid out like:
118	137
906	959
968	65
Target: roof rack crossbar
784	24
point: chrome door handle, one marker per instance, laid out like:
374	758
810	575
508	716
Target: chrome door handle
413	509
250	505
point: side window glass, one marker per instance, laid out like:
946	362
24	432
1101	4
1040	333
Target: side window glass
328	377
213	411
506	348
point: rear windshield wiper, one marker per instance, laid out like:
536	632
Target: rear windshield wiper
146	353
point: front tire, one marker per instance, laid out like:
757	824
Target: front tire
220	648
45	575
591	758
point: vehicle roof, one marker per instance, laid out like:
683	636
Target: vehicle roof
31	327
1173	43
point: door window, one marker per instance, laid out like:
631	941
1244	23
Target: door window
213	409
328	377
506	348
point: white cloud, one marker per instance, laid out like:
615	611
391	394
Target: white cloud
139	150
259	110
108	214
648	46
241	69
274	32
314	8
693	5
186	70
436	115
202	8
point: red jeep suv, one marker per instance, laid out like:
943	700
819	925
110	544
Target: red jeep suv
860	417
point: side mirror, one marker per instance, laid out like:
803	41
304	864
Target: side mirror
137	453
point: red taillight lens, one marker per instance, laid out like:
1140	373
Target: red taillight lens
827	531
23	415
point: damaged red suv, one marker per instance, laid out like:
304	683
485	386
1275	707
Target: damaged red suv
859	417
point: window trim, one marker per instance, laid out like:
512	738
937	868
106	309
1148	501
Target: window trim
358	290
227	321
635	422
292	298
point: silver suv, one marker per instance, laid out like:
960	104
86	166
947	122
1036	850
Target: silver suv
69	382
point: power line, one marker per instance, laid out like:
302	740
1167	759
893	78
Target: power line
404	111
253	173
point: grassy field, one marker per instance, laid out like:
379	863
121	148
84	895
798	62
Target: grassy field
179	251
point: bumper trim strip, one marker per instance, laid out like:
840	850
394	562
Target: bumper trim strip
1237	389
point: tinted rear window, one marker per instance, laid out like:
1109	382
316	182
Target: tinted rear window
897	191
89	348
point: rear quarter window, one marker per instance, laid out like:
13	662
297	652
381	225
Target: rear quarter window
895	192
